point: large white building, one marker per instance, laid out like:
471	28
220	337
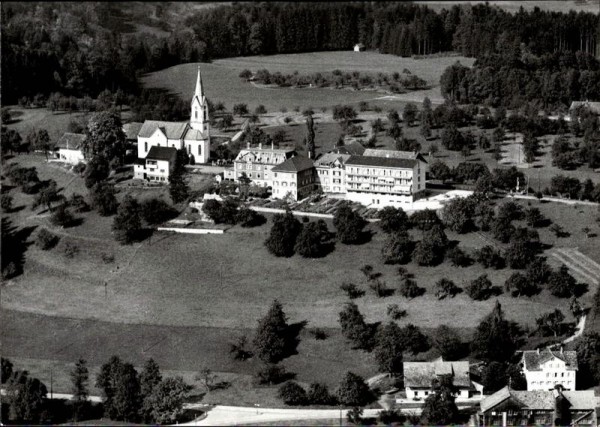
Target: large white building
192	136
544	369
256	163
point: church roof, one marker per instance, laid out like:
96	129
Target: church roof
173	130
195	135
294	164
161	153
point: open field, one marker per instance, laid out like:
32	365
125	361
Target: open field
563	6
56	123
221	78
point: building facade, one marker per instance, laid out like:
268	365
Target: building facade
68	148
192	136
295	178
545	369
419	378
257	162
331	172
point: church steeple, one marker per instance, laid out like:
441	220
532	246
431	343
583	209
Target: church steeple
199	108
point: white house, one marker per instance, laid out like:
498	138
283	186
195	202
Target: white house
544	369
331	173
294	178
381	178
257	162
157	165
418	377
68	149
192	136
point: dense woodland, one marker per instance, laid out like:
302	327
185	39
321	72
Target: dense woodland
84	48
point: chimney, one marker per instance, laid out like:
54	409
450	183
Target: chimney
562	348
538	351
248	145
260	145
272	145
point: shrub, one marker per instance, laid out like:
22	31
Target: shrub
156	211
46	240
273	374
292	394
395	312
351	290
70	250
446	287
62	216
318	394
480	289
410	289
249	218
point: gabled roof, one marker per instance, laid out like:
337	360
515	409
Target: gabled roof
353	148
541	399
71	141
294	164
161	153
421	374
173	130
395	154
265	156
328	159
195	135
533	360
384	162
132	130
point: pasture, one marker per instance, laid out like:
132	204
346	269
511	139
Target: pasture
222	83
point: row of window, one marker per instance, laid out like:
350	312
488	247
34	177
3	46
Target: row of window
383	172
562	374
173	145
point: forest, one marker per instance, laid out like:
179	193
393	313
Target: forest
82	49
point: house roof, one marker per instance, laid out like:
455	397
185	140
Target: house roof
264	156
533	360
328	159
594	107
71	141
395	154
173	130
541	399
132	130
195	135
421	374
161	153
384	162
294	164
353	148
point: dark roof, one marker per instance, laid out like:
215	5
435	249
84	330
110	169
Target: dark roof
161	153
421	374
353	148
71	141
132	130
294	164
541	399
384	162
532	359
328	159
372	152
195	135
173	130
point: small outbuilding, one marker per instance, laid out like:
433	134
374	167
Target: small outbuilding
359	47
68	149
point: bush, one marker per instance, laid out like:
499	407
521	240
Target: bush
292	394
70	250
446	288
62	216
46	240
480	289
156	211
394	312
273	374
351	290
318	394
410	289
249	218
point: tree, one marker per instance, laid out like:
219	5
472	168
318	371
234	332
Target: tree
47	195
518	284
25	397
150	378
353	390
282	237
409	288
448	343
79	388
588	357
310	137
7	370
534	217
103	198
221	212
156	211
354	415
440	170
440	407
11	141
39	140
240	109
62	216
104	138
495	338
247	217
46	240
127	224
6	201
480	289
354	327
344	114
519	253
78	204
397	248
318	394
561	283
166	400
446	288
311	240
388	349
270	338
550	323
393	219
452	139
178	186
349	224
409	114
96	171
292	394
120	387
458	215
424	219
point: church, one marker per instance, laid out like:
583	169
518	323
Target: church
159	141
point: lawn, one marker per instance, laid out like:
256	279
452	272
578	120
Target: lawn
222	83
56	123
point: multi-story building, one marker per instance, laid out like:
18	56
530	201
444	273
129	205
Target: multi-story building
158	164
257	163
331	172
192	136
545	369
294	178
385	178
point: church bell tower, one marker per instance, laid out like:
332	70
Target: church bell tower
199	110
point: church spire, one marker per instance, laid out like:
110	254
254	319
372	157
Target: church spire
199	91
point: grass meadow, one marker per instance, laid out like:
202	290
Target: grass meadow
222	83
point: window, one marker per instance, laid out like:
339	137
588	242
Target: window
196	114
146	146
275	174
189	149
199	150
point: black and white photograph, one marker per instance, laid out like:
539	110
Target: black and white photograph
301	213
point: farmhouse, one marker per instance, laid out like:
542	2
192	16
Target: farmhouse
68	148
294	178
419	376
509	407
545	369
192	136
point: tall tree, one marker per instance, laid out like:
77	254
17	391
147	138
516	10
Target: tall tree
440	407
150	378
283	234
79	388
120	387
310	137
271	337
166	400
127	224
388	348
104	137
495	338
25	397
349	224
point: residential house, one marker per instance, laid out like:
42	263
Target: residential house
294	178
192	136
257	163
157	165
419	378
69	148
545	369
508	407
331	174
381	178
